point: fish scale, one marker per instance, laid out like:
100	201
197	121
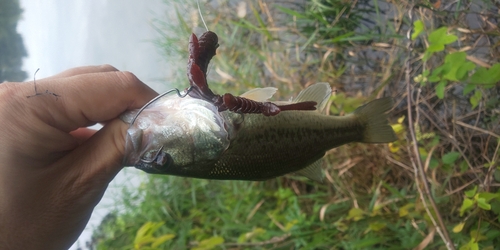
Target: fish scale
268	147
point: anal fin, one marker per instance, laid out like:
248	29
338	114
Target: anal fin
313	171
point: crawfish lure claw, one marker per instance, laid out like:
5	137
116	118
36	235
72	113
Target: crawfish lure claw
201	51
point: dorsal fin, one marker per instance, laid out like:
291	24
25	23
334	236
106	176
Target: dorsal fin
319	92
260	94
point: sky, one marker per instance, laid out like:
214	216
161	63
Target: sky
61	34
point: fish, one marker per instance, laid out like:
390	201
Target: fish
189	137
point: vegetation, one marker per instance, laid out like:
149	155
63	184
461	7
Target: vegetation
12	48
437	187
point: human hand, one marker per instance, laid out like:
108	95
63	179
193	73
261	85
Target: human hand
54	170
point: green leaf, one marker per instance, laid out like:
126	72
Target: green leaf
450	157
495	206
471	245
464	69
290	224
477	236
355	214
486	76
440	89
377	226
162	239
435	48
437	73
482	203
440	37
458	228
456	67
209	243
144	234
471	193
251	235
140	242
292	12
469	88
418	27
426	56
144	229
435	141
466	206
344	37
367	242
436	35
433	163
489	196
434	78
404	210
463	166
449	39
476	98
263	26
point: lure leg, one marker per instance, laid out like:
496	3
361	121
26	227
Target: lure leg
309	105
244	105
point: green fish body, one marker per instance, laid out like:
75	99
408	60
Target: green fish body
197	141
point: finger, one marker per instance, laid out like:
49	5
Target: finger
86	99
84	70
82	134
84	175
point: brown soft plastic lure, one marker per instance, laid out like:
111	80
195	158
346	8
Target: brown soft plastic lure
201	52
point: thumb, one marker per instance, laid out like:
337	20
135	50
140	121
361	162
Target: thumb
99	158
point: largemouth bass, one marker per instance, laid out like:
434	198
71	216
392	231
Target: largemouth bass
188	137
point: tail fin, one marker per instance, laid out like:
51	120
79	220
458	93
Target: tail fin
373	114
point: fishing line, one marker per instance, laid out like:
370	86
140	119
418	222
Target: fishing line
199	11
206	27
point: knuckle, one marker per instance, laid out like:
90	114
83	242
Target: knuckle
107	67
128	79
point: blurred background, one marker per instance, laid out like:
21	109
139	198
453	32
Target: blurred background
439	183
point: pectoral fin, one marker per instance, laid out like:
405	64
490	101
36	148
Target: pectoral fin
313	171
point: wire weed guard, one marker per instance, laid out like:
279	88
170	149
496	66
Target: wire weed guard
138	144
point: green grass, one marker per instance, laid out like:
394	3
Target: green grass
371	198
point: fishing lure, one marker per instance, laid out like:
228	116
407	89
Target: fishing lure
201	52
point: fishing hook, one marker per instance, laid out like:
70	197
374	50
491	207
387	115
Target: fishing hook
155	157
